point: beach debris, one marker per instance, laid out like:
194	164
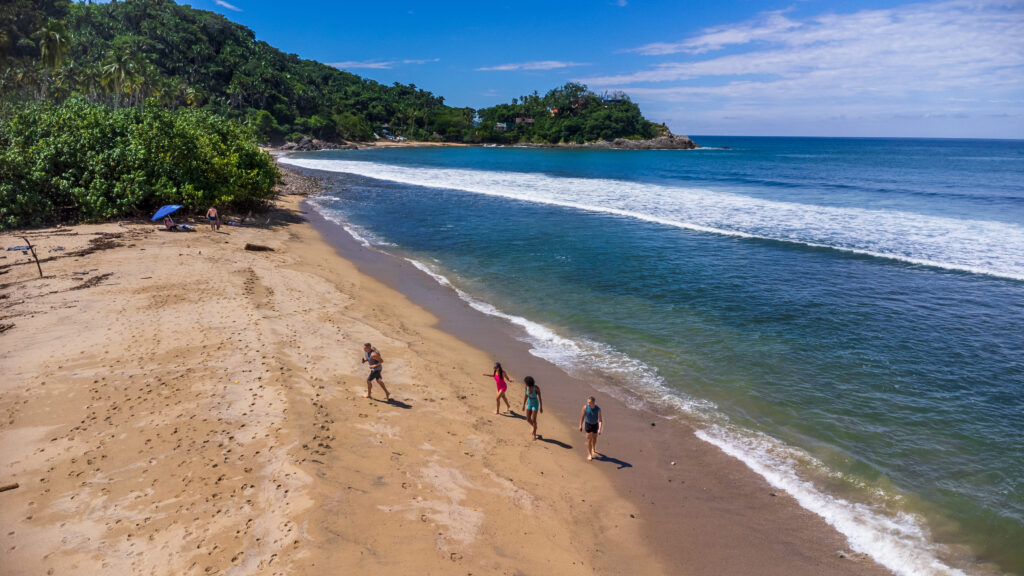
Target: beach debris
95	280
652	424
258	248
7	487
673	463
102	241
31	249
5	327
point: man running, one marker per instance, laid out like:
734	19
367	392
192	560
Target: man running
371	355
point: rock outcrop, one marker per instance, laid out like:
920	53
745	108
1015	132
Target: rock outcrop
307	144
668	142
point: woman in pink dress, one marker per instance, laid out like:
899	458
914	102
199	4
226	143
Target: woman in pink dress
501	380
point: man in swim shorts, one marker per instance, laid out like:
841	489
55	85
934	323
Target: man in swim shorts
371	356
214	219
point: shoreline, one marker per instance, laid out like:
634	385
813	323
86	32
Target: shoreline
176	404
670	456
670	142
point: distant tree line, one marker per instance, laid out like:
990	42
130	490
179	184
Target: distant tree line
569	114
126	53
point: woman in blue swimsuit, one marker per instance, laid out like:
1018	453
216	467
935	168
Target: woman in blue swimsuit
532	403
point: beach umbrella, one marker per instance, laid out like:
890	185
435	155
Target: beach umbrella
164	211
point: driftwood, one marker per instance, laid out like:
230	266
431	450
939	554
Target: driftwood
7	487
32	249
258	248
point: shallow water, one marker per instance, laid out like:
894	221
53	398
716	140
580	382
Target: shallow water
845	315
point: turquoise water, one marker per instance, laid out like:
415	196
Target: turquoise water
844	315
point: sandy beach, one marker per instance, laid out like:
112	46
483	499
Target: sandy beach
173	403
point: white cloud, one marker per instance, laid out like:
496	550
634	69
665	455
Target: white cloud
944	59
537	65
767	27
378	64
351	65
228	6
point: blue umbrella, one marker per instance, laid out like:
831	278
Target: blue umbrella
164	211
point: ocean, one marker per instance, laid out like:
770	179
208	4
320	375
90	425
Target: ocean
845	316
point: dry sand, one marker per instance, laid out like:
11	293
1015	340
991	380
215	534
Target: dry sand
171	403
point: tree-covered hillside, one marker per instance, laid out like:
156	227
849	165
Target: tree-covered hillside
123	53
570	114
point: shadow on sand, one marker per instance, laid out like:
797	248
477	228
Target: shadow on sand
395	403
513	415
555	442
621	463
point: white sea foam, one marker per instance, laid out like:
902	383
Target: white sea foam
360	234
898	542
977	246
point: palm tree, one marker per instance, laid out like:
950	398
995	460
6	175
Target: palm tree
5	43
54	42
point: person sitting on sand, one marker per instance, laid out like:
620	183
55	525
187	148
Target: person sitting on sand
593	421
501	380
214	219
371	355
170	224
532	403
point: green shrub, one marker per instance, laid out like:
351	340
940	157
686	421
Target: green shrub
84	162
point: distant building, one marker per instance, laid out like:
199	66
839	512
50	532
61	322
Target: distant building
500	126
527	121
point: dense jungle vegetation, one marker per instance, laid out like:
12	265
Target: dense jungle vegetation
89	64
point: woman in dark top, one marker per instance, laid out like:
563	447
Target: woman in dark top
591	422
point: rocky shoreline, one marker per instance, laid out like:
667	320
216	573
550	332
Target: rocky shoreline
668	142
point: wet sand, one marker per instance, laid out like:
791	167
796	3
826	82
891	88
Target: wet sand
171	403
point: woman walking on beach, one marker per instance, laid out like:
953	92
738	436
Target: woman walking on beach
592	421
501	380
532	403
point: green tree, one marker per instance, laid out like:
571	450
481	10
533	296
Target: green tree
54	42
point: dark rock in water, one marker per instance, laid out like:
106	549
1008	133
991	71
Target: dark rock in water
668	142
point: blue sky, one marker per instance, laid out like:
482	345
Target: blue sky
756	67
